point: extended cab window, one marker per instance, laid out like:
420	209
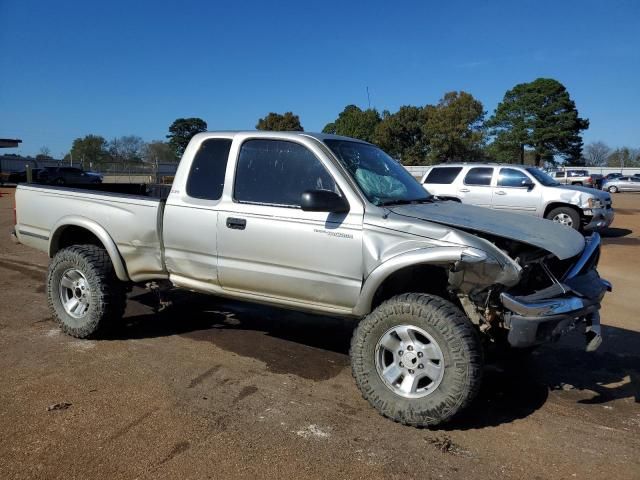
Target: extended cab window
559	174
479	176
278	172
510	177
206	178
443	175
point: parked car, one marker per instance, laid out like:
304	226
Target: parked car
21	177
521	189
622	184
573	177
67	175
611	176
332	225
597	180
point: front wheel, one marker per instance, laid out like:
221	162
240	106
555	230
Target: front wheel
417	359
613	189
83	291
565	216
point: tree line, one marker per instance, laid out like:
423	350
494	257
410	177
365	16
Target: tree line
535	122
599	154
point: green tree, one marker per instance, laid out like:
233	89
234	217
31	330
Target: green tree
624	157
90	149
287	122
454	127
356	123
401	135
182	130
539	115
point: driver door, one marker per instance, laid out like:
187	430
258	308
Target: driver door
269	246
513	192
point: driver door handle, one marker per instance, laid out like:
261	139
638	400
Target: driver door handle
236	223
501	192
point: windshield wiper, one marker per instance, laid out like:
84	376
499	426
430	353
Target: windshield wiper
402	201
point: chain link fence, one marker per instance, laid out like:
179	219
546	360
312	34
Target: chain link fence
112	172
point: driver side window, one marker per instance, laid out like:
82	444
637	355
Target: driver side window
278	172
510	177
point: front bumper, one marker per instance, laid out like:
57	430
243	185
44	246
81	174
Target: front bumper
599	218
546	315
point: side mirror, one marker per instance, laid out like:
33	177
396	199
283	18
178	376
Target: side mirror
323	201
528	184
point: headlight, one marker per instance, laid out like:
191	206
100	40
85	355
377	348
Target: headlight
595	203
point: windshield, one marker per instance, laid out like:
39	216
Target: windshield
544	178
382	180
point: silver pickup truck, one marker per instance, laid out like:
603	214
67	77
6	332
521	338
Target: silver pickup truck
330	225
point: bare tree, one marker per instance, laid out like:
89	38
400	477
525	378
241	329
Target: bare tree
597	154
158	151
129	148
45	152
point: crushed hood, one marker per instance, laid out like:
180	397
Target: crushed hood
562	241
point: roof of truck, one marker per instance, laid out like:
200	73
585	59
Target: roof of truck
316	135
479	164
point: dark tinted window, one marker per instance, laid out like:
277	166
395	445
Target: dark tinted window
559	174
206	177
443	175
70	170
278	172
510	177
479	176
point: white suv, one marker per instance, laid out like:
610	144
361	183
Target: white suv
520	189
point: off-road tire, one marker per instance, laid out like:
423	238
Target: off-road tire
107	294
575	216
460	345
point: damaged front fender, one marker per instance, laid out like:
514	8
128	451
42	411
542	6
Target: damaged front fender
471	268
470	275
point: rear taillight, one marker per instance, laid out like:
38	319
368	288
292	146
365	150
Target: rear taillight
589	180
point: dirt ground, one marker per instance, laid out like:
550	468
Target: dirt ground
219	389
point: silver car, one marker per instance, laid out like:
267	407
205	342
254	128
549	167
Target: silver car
622	184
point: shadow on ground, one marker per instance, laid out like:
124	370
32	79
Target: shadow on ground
614	232
316	347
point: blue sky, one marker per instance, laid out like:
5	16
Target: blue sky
69	68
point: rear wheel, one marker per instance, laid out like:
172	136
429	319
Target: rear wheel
83	291
565	216
417	359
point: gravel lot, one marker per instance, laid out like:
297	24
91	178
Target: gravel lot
219	389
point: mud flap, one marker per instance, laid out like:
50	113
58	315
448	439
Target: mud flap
593	332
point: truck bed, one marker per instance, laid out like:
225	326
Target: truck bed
135	189
130	215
